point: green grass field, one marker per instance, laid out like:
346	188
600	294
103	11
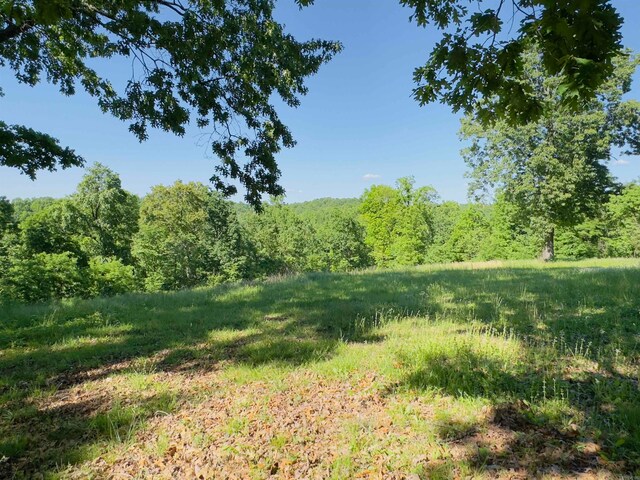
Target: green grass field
493	370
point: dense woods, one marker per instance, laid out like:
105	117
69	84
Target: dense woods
103	240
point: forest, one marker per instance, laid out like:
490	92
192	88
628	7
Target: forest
543	189
103	240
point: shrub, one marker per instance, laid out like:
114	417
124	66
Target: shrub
109	276
42	276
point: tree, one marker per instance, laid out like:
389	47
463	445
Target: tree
554	169
479	58
30	151
508	238
444	218
584	240
398	222
321	210
25	207
186	237
342	238
284	242
379	210
8	233
414	231
108	214
44	259
624	213
7	221
218	64
468	235
53	230
72	246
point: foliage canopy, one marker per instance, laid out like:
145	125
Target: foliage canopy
219	65
478	57
215	63
555	169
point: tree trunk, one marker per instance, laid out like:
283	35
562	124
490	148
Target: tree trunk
548	250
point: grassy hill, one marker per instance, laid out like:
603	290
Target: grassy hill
486	370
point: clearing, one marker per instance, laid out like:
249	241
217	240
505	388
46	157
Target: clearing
496	370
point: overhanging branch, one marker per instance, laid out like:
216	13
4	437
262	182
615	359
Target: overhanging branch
12	31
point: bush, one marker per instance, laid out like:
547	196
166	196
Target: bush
581	241
109	276
42	277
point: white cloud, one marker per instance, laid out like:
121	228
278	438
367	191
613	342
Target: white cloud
621	161
371	176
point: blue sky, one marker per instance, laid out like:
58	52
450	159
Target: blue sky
357	126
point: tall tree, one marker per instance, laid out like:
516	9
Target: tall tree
554	169
398	222
186	237
108	213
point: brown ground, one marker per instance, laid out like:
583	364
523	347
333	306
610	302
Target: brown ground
302	428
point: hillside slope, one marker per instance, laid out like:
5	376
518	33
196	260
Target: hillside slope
489	370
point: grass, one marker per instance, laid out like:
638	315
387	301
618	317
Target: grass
446	371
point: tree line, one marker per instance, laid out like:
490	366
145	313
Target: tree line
103	240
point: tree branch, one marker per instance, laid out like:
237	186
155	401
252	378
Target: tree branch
13	31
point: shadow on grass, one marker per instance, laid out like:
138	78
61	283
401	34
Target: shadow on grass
533	440
65	433
295	321
511	445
